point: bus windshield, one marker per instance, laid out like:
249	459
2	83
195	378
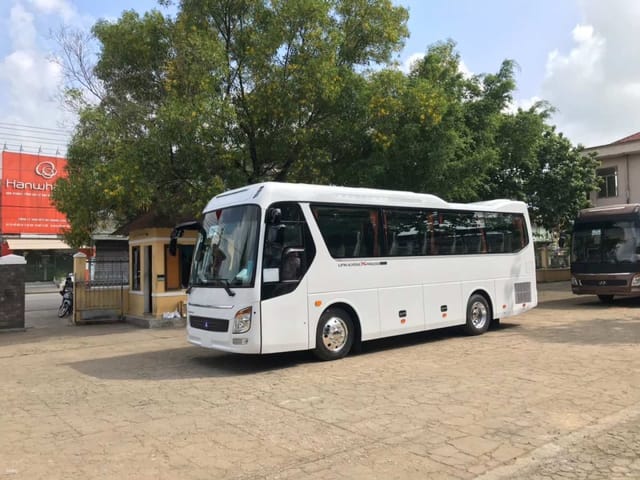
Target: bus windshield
227	249
605	242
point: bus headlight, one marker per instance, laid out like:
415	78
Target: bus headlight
242	321
635	281
575	282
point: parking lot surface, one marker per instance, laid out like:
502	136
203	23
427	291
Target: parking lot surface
554	393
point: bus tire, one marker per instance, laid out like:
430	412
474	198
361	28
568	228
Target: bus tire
478	315
606	299
334	335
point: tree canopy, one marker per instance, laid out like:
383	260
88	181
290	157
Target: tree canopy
233	92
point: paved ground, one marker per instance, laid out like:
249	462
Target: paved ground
41	309
554	393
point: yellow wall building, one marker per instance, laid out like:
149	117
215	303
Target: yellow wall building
157	279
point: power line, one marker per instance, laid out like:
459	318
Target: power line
19	131
16	137
16	125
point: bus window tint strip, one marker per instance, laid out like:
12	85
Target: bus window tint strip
353	232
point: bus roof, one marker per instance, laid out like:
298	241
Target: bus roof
270	192
602	213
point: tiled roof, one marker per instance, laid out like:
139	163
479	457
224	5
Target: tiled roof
151	219
630	138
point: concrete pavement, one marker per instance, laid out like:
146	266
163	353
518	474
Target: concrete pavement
552	393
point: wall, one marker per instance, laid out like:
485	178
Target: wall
634	177
12	273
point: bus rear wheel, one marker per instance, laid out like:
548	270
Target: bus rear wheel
606	298
478	315
334	335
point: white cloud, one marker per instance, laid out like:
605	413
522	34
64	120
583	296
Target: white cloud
523	103
22	32
595	86
61	8
29	79
410	62
414	58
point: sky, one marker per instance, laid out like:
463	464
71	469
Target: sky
582	56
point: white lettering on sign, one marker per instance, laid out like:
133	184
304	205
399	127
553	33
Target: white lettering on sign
18	185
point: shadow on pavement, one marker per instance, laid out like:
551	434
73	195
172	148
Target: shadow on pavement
186	362
592	331
430	336
45	334
196	362
587	302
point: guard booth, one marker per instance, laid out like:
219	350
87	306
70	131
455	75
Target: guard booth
157	280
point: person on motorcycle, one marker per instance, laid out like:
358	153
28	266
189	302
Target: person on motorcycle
66	307
68	285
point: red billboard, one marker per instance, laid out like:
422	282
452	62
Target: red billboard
25	194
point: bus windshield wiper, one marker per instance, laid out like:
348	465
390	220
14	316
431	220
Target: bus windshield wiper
225	284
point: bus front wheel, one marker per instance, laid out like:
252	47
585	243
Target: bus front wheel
334	335
478	315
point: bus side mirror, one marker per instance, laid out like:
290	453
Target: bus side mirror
173	243
178	231
273	216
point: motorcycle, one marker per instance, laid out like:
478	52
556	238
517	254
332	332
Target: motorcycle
66	307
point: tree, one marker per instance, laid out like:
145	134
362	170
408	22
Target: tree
560	185
433	130
227	93
235	92
541	167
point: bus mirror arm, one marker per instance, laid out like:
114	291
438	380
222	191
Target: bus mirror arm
178	231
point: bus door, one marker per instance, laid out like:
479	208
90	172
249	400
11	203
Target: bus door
288	252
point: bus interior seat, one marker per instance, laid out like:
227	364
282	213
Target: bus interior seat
473	243
358	246
335	245
445	243
350	243
393	248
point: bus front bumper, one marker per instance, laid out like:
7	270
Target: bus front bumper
225	341
623	284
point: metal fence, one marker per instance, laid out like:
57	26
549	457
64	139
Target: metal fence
108	271
102	293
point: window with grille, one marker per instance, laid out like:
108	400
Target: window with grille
609	185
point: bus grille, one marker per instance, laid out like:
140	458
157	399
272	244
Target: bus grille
604	283
523	292
210	324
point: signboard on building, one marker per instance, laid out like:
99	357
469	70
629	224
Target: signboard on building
25	194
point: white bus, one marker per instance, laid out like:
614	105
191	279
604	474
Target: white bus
281	267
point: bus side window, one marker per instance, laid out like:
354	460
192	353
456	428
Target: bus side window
288	246
348	232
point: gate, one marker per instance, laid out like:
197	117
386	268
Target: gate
101	290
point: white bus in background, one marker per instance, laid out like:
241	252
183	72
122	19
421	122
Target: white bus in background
281	267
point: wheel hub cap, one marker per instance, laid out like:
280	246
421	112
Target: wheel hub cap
478	314
334	334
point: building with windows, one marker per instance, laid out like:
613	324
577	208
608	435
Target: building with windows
619	170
